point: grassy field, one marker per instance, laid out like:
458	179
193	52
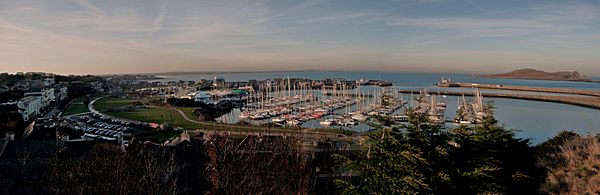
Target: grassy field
189	112
105	104
155	115
76	107
158	115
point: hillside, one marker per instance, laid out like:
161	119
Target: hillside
541	75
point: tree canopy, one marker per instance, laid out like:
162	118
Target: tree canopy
423	157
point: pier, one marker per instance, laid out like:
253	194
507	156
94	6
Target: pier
584	101
520	88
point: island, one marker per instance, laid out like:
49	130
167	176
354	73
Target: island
534	74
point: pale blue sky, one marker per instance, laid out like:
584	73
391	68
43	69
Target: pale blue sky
470	36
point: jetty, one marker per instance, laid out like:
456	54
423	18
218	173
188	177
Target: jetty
447	83
584	101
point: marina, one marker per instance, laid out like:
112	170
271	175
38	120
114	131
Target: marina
284	104
581	118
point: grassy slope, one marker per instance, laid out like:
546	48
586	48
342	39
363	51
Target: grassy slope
189	112
157	115
75	108
107	103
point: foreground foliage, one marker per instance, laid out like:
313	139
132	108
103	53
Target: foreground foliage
574	167
422	158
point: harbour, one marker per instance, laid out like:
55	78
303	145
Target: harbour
580	119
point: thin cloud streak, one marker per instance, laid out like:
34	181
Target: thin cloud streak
483	9
89	7
156	25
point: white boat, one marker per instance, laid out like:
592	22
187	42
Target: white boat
359	117
277	120
400	118
372	113
347	123
350	122
464	122
327	122
320	110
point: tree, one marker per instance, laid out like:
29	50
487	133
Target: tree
402	160
385	165
491	160
422	157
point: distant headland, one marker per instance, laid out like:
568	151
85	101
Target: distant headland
534	74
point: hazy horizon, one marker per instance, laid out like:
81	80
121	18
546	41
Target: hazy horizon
439	36
594	77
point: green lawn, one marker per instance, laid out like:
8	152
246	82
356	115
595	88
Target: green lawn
155	115
105	104
76	107
158	115
189	112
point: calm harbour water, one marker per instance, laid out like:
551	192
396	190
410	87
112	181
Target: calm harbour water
537	121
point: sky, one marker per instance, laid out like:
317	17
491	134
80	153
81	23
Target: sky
141	36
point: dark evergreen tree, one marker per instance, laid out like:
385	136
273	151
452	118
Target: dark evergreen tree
421	157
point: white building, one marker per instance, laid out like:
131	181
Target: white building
46	95
29	107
